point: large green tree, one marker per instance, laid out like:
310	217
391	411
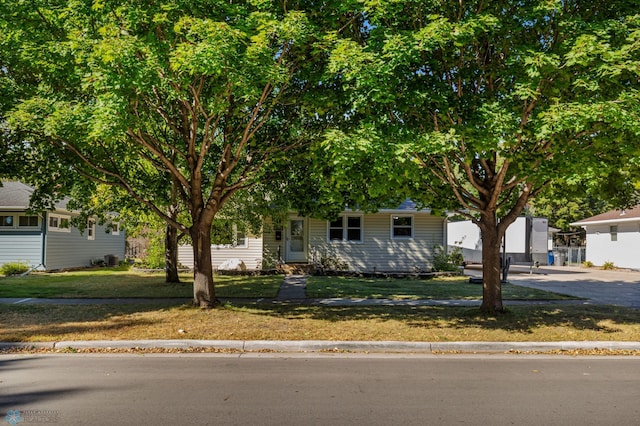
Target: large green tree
483	104
207	94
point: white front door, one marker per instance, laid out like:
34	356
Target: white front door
296	241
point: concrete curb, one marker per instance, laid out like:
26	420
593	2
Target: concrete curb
328	345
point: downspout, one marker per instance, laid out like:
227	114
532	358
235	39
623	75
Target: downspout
445	236
45	220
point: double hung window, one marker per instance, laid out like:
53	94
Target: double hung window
346	228
401	227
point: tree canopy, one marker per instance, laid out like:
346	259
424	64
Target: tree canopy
483	104
470	105
202	95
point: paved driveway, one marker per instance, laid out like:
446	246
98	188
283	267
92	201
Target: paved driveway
621	287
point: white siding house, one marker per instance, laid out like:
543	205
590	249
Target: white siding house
250	252
47	240
613	236
399	240
393	240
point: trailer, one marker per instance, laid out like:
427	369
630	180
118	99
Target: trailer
526	240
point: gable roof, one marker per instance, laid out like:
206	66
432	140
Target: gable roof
16	195
613	216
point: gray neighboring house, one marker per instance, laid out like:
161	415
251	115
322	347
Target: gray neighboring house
390	240
48	241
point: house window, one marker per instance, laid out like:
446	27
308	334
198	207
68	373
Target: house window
336	229
58	223
6	221
241	236
91	230
401	227
613	231
115	229
225	233
346	228
354	228
28	221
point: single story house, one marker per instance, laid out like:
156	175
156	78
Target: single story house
390	240
48	240
613	236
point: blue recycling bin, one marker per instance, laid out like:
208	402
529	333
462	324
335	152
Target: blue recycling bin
550	258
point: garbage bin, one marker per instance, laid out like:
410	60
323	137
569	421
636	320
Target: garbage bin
561	257
550	258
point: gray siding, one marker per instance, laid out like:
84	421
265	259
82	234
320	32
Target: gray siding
250	255
23	247
72	249
379	251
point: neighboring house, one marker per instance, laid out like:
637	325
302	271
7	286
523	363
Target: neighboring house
526	240
613	236
47	240
394	240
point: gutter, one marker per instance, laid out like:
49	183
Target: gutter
606	222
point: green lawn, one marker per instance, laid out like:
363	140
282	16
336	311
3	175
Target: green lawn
121	282
440	288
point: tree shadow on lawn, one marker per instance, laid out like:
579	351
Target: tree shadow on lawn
518	319
24	322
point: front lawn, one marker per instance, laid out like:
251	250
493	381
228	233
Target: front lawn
33	323
406	288
122	282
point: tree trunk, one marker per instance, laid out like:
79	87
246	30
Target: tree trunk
491	267
203	290
171	255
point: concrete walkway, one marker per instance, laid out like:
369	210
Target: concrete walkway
293	289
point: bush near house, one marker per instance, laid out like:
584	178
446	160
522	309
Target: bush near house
443	261
608	266
13	268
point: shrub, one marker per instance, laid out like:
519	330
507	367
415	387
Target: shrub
331	262
587	264
269	259
608	266
154	256
14	268
447	262
97	261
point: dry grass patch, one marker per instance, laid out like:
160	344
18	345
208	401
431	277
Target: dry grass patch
280	322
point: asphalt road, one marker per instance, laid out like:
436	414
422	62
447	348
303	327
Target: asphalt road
330	389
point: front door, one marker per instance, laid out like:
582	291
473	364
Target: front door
296	241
